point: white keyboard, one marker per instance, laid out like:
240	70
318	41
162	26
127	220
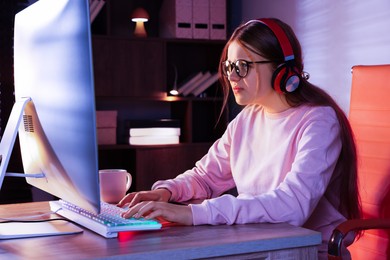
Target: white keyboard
108	223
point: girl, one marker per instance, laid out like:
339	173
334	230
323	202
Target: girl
290	152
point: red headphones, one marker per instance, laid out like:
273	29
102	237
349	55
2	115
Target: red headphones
285	78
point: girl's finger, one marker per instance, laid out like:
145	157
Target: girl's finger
132	211
146	208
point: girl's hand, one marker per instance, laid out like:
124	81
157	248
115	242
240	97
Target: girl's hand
181	214
134	198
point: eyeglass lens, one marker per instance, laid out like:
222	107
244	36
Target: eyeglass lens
240	67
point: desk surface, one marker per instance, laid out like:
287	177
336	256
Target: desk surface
177	242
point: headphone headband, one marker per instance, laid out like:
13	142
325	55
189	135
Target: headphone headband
285	78
280	35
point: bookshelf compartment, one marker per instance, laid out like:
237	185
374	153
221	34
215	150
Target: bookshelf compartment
207	124
200	119
128	68
150	164
191	57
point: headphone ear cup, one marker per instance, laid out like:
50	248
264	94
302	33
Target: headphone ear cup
285	79
277	77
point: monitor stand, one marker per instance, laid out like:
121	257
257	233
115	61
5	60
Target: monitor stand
8	140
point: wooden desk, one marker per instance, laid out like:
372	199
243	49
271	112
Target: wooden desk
264	241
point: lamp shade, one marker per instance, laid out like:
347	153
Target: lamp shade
139	15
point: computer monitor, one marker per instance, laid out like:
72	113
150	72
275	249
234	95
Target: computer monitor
54	88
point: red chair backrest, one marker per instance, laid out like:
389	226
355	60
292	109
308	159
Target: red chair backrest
370	119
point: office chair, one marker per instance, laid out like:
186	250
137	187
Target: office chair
369	116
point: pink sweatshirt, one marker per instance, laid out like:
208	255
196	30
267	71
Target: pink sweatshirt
281	164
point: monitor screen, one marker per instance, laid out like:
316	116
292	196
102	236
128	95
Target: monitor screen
53	67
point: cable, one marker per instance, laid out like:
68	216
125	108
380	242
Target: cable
32	221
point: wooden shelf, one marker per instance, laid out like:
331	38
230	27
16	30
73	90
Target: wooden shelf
163	98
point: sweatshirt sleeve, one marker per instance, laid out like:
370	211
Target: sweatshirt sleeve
296	196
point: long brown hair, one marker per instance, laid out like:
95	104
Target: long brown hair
258	38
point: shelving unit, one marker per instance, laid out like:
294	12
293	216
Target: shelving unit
134	76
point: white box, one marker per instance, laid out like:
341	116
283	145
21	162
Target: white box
200	19
176	19
217	19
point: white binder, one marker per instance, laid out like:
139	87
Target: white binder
200	19
217	19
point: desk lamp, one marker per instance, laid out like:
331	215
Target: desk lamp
140	16
174	91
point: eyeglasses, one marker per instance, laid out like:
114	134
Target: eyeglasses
241	67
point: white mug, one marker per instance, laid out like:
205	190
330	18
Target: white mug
114	184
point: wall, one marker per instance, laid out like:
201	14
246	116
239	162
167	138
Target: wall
335	35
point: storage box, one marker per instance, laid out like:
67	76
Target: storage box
217	19
176	19
200	19
106	123
106	135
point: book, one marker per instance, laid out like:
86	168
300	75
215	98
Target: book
155	131
188	90
151	123
205	84
187	83
153	140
